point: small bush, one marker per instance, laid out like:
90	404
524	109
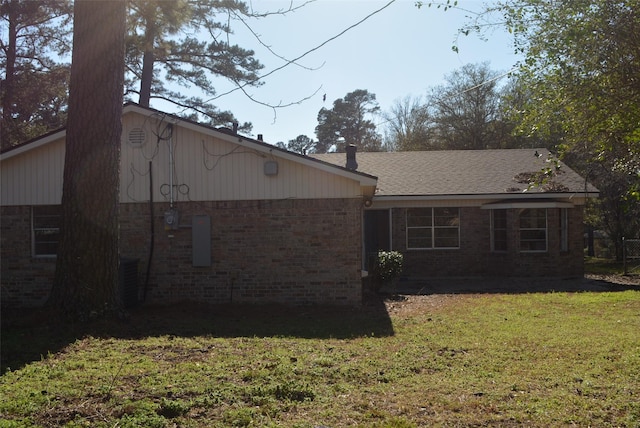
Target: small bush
389	265
290	391
173	408
386	268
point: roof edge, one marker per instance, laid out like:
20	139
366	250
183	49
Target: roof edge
363	178
501	196
33	144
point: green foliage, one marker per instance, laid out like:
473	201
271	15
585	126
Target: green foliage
466	111
301	144
580	73
387	267
293	392
444	5
164	46
173	408
469	111
242	417
348	122
35	83
578	90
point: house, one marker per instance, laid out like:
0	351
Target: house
212	216
516	212
206	215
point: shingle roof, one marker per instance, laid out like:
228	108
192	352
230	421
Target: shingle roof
462	172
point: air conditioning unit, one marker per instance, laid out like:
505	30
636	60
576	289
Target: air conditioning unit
128	282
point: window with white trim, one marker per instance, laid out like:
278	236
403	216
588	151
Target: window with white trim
533	230
564	229
45	226
429	228
499	230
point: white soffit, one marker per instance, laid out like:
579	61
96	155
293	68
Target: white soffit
528	204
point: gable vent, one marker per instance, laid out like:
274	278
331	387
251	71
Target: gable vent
137	137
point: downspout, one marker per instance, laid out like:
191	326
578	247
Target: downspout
153	234
171	165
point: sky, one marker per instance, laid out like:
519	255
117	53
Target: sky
398	52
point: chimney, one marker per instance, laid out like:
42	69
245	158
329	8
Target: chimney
351	158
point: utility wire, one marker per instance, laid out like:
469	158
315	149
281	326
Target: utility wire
294	60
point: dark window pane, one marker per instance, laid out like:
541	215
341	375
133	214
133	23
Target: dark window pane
533	240
419	238
533	218
499	219
46	222
46	242
419	217
46	229
533	246
446	217
446	238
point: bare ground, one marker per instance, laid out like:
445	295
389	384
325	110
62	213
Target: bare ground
418	296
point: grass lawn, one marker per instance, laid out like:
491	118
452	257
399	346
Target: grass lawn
527	359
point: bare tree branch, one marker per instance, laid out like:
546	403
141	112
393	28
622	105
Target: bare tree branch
241	86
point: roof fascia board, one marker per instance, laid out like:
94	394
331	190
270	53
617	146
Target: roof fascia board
33	145
362	178
527	204
500	196
248	143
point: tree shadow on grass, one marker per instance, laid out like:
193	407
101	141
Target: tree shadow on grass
30	335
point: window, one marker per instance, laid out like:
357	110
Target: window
45	222
429	228
499	230
564	229
533	230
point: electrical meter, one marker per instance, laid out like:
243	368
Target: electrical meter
171	219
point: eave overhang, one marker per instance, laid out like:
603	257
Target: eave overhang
527	204
365	180
480	197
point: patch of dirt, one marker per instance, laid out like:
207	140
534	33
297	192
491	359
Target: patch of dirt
629	280
423	296
407	304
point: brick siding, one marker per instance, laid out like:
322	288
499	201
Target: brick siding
290	251
24	280
475	258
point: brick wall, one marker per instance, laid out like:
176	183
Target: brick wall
291	251
475	258
24	280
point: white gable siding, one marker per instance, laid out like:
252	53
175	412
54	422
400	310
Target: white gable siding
33	177
206	168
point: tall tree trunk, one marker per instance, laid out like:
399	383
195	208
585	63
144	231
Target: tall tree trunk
86	280
9	79
146	78
148	59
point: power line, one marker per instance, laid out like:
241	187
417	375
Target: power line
294	60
